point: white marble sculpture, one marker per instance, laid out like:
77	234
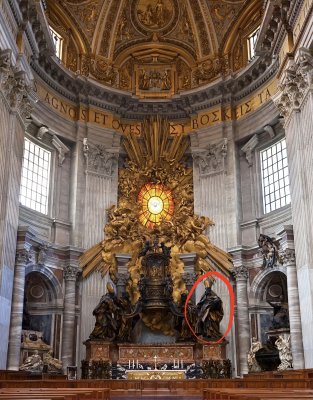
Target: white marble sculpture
54	365
285	354
33	363
253	365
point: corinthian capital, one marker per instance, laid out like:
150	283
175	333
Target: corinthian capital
22	257
288	256
241	272
122	278
189	278
70	273
98	159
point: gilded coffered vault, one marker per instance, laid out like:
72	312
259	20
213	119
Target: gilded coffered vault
154	48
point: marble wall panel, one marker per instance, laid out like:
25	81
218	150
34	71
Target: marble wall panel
93	288
98	194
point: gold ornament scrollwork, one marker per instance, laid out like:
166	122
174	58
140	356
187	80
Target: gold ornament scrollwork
100	69
71	56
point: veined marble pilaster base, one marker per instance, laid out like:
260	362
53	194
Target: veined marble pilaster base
210	351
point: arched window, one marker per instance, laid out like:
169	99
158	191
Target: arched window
35	177
275	177
58	43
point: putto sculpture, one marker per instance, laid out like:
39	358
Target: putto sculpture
269	251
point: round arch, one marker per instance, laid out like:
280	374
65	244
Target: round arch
261	280
48	276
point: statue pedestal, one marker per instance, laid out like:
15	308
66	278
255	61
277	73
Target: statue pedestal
206	351
97	350
100	355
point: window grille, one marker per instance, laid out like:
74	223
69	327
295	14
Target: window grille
251	44
35	177
275	177
58	42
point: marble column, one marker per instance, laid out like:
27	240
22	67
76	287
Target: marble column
21	260
122	272
289	259
241	274
189	276
70	275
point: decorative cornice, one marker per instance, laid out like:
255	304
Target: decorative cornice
61	148
249	147
89	92
270	130
41	131
240	273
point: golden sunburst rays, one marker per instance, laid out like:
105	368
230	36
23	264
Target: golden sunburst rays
156	145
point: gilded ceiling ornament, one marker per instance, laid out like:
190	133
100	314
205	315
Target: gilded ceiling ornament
99	69
204	40
238	55
155	159
183	71
71	56
184	26
125	75
78	26
109	27
154	14
210	69
222	13
88	14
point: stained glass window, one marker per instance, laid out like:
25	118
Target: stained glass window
157	204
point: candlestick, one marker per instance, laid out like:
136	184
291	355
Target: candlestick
155	358
137	363
182	364
133	364
174	364
129	364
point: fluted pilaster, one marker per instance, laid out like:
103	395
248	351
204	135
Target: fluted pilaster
70	275
21	260
289	259
241	274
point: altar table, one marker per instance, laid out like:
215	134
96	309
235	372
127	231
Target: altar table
156	374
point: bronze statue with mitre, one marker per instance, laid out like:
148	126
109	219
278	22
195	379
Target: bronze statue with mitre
210	314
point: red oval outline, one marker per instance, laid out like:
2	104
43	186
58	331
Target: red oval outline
232	302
